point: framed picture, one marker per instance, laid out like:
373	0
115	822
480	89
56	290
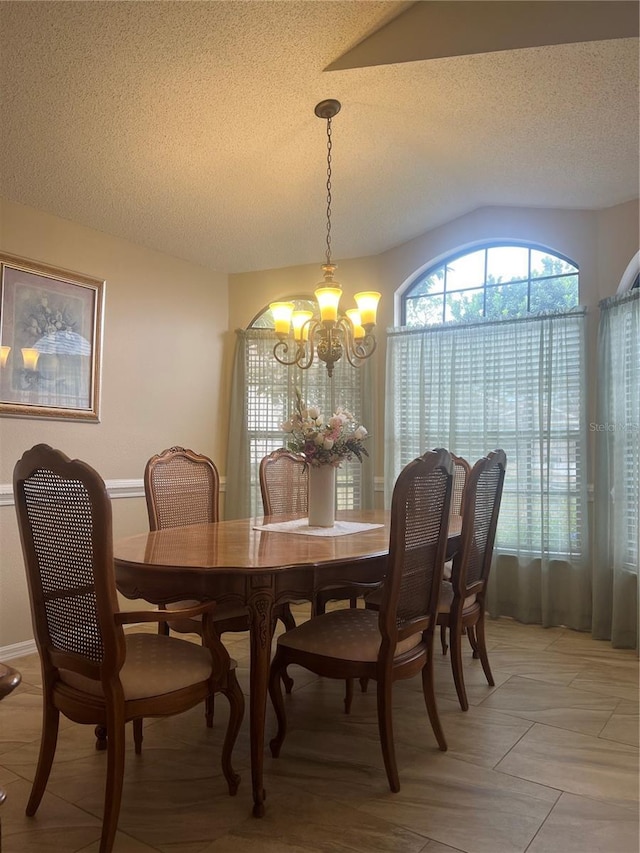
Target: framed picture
50	341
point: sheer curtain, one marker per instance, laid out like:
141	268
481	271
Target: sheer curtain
263	396
617	496
517	385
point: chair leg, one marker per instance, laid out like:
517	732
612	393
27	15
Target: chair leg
482	650
385	728
275	692
101	737
137	735
364	683
286	617
287	681
353	602
443	638
473	640
236	712
348	695
455	636
115	775
430	698
209	707
50	722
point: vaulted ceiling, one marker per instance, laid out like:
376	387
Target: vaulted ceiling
189	127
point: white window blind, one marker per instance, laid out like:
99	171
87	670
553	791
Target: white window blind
270	400
515	385
621	424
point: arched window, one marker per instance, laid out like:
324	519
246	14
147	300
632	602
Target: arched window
490	354
631	277
264	397
497	281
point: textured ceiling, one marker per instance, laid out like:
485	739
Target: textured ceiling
189	127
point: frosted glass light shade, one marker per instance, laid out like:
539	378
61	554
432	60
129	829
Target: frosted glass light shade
30	358
300	325
328	301
354	315
4	355
367	302
282	312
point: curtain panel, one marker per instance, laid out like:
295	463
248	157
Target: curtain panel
617	481
263	397
516	385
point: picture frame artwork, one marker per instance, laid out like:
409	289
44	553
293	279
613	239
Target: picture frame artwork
51	324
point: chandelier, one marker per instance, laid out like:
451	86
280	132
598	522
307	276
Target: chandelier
327	331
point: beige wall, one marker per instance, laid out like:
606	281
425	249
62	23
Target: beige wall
169	341
163	363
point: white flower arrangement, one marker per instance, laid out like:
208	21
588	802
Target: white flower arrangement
340	438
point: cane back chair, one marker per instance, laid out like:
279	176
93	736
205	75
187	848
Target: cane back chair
181	488
396	642
91	671
284	482
462	601
461	469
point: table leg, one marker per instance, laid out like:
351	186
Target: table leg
261	615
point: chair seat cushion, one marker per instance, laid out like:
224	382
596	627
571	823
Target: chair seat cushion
154	665
446	599
351	634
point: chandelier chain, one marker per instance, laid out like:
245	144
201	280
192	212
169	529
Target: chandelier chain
329	146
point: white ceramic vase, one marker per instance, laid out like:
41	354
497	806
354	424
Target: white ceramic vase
322	495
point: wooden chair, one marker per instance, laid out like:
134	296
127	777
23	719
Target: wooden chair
284	481
181	488
461	469
91	671
462	601
397	642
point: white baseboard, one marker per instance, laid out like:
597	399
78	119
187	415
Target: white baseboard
17	650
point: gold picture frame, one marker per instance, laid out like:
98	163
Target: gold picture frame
50	341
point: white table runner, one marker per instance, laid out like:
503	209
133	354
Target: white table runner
301	525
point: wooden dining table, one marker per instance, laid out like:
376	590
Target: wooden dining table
240	562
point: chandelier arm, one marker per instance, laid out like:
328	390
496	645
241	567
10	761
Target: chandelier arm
366	347
344	326
306	350
349	347
357	351
281	350
352	358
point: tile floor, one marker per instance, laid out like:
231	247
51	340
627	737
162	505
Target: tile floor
544	762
